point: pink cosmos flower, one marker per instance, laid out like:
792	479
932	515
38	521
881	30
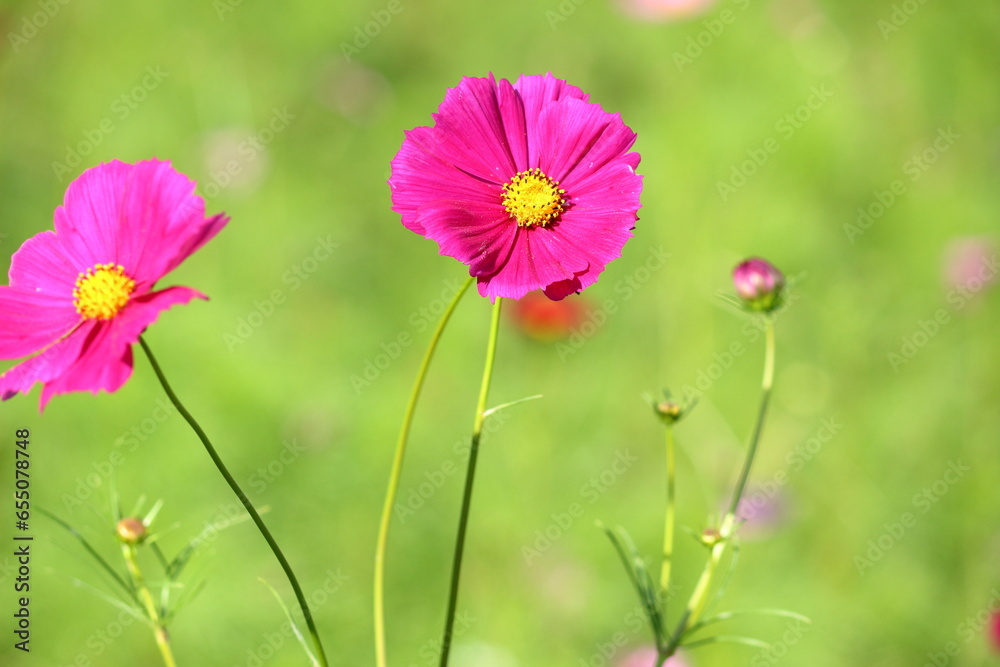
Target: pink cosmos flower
80	296
529	184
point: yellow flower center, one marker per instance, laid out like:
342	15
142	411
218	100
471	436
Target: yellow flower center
102	291
532	198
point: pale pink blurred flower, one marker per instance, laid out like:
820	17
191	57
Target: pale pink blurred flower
236	161
970	263
356	92
762	513
646	657
664	10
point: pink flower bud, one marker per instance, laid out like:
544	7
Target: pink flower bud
759	284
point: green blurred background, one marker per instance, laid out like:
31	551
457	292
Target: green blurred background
764	126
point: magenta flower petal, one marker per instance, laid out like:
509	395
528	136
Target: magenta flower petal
529	184
475	234
145	217
80	297
46	366
106	361
471	130
100	361
32	321
538	89
584	140
422	179
538	258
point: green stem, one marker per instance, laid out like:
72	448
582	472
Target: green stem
765	394
251	510
159	625
696	605
397	468
668	527
477	428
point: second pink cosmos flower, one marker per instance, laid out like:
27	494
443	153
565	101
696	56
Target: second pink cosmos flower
529	184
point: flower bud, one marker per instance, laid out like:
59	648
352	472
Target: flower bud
131	530
710	537
668	411
759	284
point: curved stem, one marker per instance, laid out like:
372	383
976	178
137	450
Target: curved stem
251	510
696	605
463	520
394	476
159	625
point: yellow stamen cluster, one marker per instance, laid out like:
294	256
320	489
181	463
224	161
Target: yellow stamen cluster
102	291
532	198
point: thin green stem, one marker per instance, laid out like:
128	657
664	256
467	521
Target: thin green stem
699	597
159	625
668	527
394	476
251	510
477	429
765	394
